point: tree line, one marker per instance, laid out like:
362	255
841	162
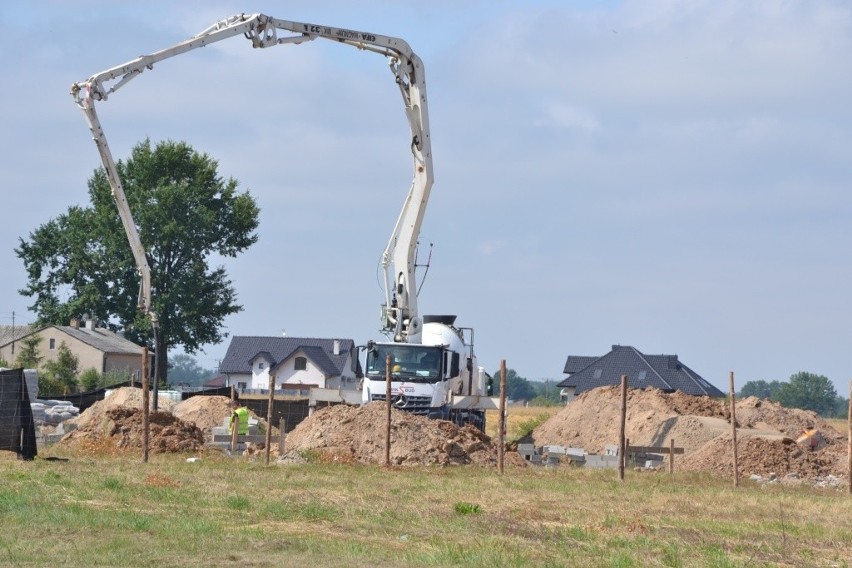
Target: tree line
807	391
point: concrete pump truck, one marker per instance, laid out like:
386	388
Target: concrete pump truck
434	370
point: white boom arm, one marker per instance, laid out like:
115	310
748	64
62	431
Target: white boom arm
399	314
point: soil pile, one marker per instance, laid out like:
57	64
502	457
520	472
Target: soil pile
701	426
121	428
357	434
130	397
765	457
205	411
116	423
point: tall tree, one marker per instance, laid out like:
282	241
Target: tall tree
517	387
184	368
761	389
808	391
81	263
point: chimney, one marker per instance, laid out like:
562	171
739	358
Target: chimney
75	323
91	323
336	348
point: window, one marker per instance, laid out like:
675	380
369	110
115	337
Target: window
642	374
260	365
301	364
52	343
598	373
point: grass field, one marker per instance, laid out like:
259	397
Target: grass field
221	511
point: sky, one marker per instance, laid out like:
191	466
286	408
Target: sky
674	176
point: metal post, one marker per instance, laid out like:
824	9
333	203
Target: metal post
734	430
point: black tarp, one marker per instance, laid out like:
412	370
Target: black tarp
17	428
83	400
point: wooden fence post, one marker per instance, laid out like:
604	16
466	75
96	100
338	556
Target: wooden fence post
622	445
671	456
501	437
849	449
734	430
145	403
282	436
388	401
269	415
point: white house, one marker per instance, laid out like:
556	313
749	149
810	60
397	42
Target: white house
293	361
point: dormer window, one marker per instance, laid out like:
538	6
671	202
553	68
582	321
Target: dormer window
261	365
301	364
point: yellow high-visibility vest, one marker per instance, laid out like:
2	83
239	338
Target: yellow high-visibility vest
243	417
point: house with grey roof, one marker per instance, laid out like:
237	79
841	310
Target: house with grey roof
664	372
95	347
294	362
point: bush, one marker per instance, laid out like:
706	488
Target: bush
91	379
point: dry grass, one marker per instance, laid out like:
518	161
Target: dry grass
117	511
517	417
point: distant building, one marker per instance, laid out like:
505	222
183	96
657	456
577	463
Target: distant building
293	361
664	372
95	347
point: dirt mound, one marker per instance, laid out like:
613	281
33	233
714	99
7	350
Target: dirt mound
121	428
130	397
592	420
205	411
753	412
701	426
357	434
762	456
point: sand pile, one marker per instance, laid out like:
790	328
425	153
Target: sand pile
357	434
205	411
701	426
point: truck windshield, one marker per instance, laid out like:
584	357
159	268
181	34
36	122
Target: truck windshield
414	363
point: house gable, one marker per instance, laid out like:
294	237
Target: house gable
664	372
95	347
330	361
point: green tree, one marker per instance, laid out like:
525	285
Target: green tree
841	407
63	370
808	391
28	356
517	387
186	214
184	368
761	389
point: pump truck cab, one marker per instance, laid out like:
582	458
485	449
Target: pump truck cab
428	377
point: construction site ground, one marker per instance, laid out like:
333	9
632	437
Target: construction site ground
349	434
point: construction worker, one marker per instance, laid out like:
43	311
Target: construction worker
240	414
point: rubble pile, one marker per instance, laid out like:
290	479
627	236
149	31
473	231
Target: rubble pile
357	434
